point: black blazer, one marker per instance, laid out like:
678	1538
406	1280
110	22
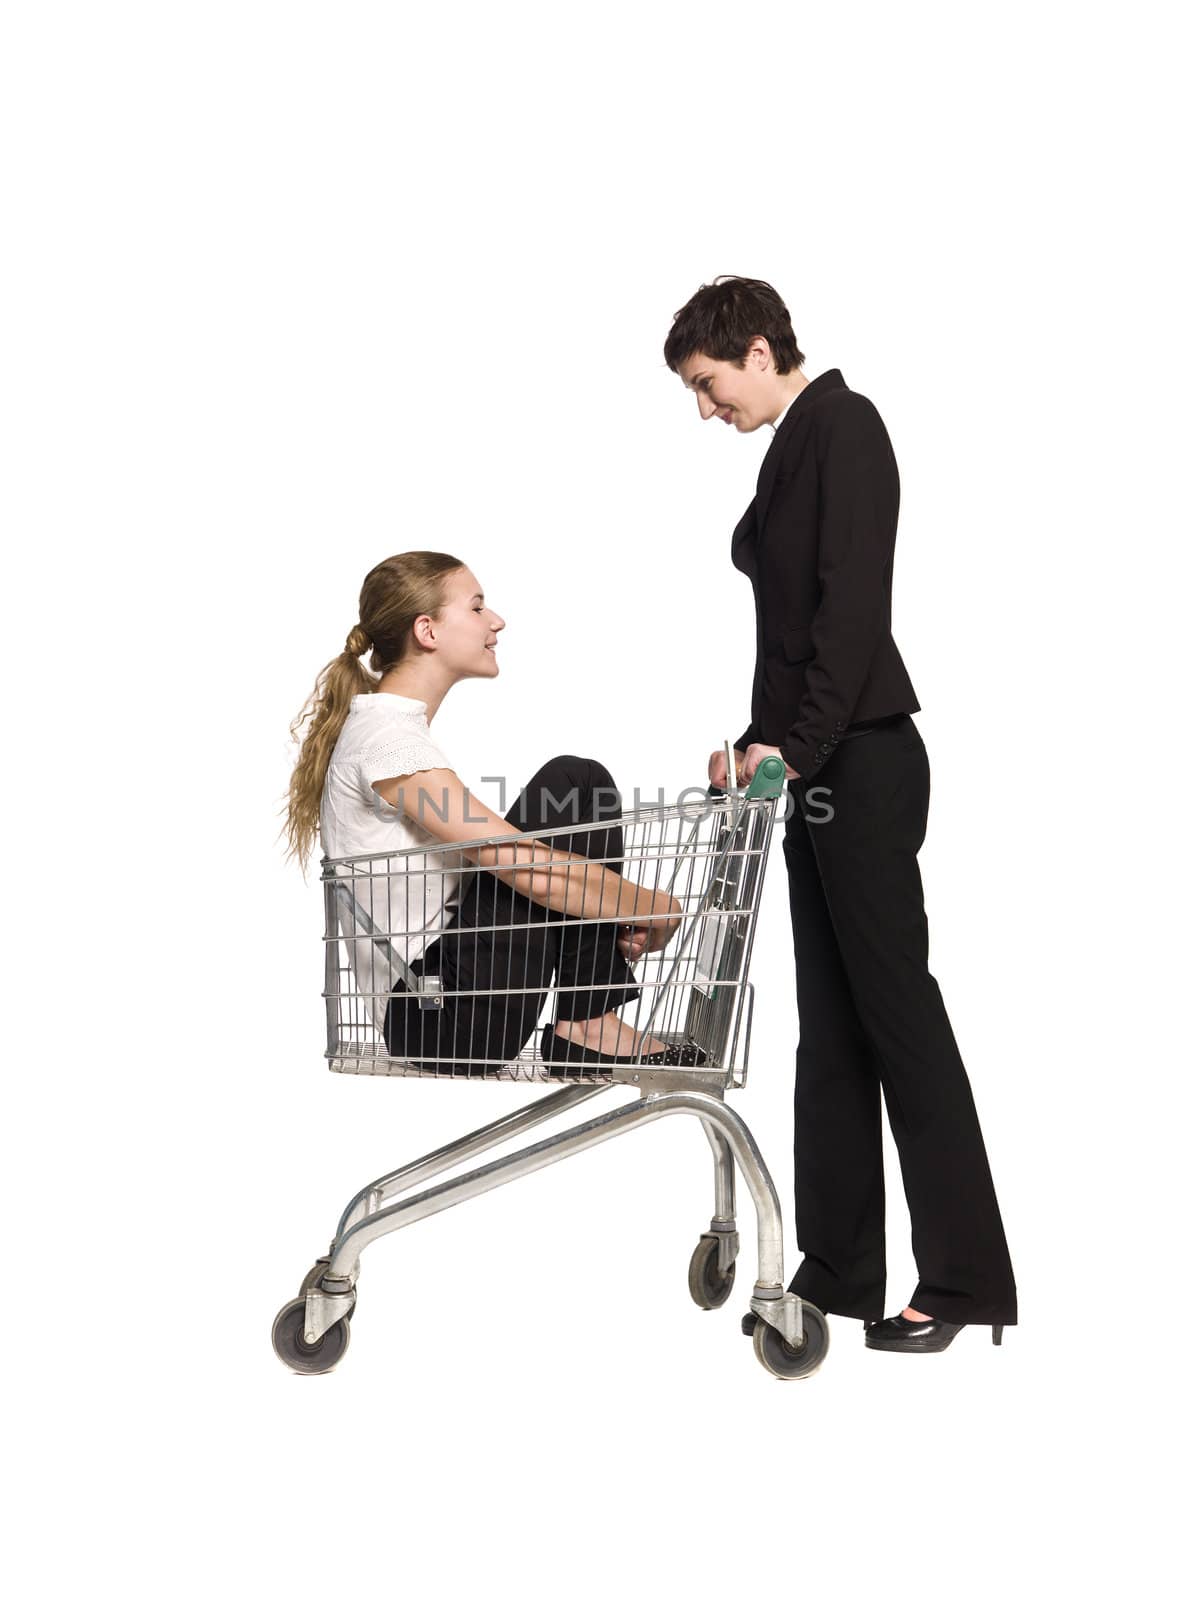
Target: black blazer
817	544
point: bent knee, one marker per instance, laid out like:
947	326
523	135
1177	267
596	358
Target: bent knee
583	771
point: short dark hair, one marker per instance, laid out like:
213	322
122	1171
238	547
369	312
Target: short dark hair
722	318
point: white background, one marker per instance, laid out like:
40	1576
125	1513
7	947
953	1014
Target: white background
294	287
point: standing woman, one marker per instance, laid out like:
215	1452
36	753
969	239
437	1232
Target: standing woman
370	779
831	695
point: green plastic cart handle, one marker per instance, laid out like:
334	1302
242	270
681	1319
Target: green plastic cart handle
768	780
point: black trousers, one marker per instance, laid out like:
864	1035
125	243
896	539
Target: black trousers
871	1015
519	944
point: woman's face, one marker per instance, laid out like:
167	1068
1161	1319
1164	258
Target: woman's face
745	396
464	635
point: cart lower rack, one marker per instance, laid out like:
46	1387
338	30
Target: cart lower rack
434	967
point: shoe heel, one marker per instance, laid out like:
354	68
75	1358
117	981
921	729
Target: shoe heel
997	1332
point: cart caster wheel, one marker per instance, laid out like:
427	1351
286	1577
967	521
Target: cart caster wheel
709	1286
290	1346
313	1277
774	1352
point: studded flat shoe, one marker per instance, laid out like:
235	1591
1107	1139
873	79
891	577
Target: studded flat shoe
557	1050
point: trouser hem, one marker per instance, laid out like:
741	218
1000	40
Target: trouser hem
968	1313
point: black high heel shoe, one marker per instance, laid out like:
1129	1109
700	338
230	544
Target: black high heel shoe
557	1050
902	1333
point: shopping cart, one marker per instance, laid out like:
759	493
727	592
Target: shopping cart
709	854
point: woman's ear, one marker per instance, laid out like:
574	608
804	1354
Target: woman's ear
423	632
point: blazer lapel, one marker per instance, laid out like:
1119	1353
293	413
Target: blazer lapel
768	473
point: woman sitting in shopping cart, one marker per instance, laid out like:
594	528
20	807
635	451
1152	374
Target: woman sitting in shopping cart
496	926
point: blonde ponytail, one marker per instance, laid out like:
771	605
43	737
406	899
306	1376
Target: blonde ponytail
394	594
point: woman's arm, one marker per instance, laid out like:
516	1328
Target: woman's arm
575	885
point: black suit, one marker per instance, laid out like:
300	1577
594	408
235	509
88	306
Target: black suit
831	690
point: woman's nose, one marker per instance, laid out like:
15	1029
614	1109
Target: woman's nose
707	409
497	623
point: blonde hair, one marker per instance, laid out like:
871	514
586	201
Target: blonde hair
394	594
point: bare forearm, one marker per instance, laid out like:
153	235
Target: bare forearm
574	885
580	888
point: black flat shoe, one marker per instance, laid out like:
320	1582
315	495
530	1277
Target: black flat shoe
556	1049
902	1333
750	1322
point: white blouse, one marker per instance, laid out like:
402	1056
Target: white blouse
407	899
